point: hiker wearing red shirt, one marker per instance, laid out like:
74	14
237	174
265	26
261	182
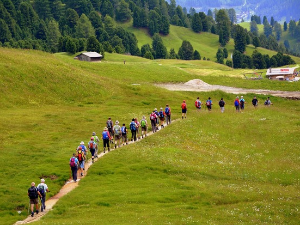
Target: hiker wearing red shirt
153	118
237	104
183	109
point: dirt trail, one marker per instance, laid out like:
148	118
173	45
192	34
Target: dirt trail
69	186
200	86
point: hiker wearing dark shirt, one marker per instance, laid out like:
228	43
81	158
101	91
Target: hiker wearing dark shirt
33	195
255	102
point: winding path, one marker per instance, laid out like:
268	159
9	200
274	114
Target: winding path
69	186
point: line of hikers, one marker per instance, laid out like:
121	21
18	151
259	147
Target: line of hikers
117	135
239	104
34	193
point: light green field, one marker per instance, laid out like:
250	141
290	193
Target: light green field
211	168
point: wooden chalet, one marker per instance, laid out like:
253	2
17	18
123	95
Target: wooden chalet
89	57
281	73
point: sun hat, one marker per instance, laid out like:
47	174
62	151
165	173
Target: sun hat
42	180
117	122
82	143
105	128
94	133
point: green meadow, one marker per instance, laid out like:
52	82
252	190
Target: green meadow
213	168
206	43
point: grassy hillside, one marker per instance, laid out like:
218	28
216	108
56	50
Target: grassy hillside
212	167
206	43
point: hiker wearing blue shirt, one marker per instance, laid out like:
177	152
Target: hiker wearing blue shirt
168	114
73	165
106	137
242	103
43	189
124	134
209	104
161	115
132	127
83	147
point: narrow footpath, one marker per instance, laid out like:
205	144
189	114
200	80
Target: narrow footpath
70	185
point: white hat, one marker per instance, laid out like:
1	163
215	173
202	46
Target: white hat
42	180
117	122
82	143
242	96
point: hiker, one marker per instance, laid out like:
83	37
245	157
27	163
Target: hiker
117	133
83	148
132	127
156	120
138	125
124	134
183	109
237	104
96	140
198	104
144	126
254	102
33	195
43	189
242	103
222	105
73	165
109	125
168	114
153	117
92	146
106	137
268	102
161	115
208	104
81	158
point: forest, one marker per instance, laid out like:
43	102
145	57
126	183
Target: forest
75	26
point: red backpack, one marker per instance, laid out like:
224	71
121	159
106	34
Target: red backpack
80	156
183	106
91	145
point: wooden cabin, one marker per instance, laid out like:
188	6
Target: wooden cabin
89	57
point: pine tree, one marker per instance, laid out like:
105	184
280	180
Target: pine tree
123	12
186	51
223	26
95	19
84	28
53	35
107	9
256	42
284	26
196	55
165	25
154	22
258	60
5	34
71	46
93	44
220	56
172	54
240	39
196	23
225	53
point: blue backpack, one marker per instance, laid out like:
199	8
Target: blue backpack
132	126
161	114
123	129
104	135
167	111
236	103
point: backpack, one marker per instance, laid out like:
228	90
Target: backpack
80	156
132	126
41	190
109	124
32	192
242	102
236	103
183	106
161	114
266	102
91	145
72	162
123	129
143	123
117	130
167	110
152	116
208	103
221	103
105	135
197	104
